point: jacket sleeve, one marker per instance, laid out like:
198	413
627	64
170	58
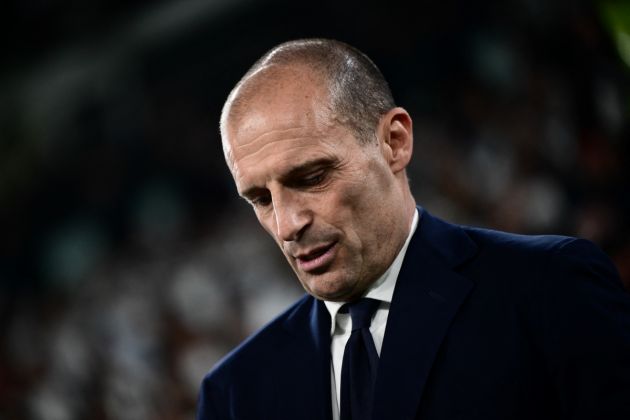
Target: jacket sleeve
586	324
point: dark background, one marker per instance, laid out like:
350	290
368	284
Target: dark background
128	265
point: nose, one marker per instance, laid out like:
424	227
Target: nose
292	216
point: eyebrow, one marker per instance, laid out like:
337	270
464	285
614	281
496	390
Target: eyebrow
294	172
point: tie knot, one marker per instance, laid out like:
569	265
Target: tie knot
361	312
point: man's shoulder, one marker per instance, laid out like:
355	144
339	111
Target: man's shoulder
496	239
483	243
564	258
551	247
264	347
499	252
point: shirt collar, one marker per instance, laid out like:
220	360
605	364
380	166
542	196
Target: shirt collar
383	288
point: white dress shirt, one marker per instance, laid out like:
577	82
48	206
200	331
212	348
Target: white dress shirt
341	325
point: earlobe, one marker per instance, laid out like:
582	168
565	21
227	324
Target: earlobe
398	138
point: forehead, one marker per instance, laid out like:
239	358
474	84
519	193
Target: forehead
283	119
288	94
269	145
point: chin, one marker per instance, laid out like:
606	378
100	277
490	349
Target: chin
334	292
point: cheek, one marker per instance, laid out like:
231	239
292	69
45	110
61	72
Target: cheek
360	199
350	209
366	205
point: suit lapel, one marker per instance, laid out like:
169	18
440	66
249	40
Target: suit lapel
308	395
427	297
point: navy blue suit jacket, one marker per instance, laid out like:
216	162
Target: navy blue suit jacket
483	325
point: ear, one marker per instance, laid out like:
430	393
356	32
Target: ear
397	138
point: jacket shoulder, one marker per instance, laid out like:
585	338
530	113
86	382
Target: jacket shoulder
248	375
260	348
518	242
457	243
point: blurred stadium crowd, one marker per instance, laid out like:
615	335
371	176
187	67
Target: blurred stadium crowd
129	266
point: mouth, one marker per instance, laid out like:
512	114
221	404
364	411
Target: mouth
318	259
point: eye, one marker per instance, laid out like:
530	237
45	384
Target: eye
261	201
313	179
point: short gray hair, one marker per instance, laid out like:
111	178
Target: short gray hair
359	93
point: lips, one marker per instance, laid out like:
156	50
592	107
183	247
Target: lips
317	259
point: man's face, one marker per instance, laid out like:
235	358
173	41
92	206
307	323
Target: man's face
326	199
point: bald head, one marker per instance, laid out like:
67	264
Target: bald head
347	83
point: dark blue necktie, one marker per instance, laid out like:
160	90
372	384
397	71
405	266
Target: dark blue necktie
360	363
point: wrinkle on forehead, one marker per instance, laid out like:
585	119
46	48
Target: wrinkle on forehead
277	156
262	129
285	114
271	138
267	130
293	151
246	144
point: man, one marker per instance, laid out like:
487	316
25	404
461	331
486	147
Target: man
468	323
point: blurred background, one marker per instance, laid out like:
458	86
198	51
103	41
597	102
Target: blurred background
128	266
